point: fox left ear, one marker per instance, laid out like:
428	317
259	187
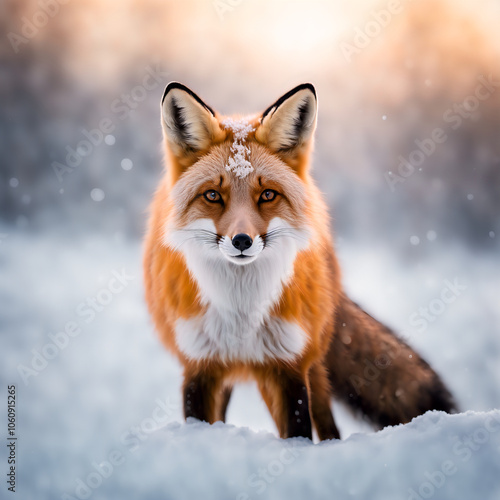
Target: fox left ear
190	126
287	127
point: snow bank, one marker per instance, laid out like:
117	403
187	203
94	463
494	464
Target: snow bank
436	455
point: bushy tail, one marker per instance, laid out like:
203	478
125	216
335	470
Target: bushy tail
374	371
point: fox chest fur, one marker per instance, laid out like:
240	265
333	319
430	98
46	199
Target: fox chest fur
238	321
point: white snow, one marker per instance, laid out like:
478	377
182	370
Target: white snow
238	163
114	393
445	456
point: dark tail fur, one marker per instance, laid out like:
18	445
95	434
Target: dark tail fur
372	370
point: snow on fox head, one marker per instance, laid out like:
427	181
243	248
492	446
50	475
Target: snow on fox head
238	189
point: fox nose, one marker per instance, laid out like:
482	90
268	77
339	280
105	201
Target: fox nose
242	241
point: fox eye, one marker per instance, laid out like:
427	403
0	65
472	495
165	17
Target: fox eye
267	195
212	196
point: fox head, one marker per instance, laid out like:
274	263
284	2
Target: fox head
238	188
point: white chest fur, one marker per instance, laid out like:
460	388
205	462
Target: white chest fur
217	336
237	324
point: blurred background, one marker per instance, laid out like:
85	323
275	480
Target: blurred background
407	154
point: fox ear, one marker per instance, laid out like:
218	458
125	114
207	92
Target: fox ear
189	125
287	127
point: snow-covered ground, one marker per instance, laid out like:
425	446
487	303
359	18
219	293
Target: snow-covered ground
110	394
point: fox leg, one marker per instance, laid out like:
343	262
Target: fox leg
287	398
202	396
296	401
321	411
268	395
224	402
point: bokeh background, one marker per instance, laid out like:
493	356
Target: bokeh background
72	212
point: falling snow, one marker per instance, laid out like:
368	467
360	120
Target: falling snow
431	235
110	139
97	194
127	164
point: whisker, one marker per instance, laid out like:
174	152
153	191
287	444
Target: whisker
205	237
275	233
201	231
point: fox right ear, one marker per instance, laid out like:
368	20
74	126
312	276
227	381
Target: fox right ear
287	126
190	126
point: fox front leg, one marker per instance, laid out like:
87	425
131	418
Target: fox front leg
286	396
296	408
200	393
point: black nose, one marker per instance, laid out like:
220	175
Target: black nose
242	241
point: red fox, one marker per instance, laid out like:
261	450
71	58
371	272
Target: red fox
242	281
